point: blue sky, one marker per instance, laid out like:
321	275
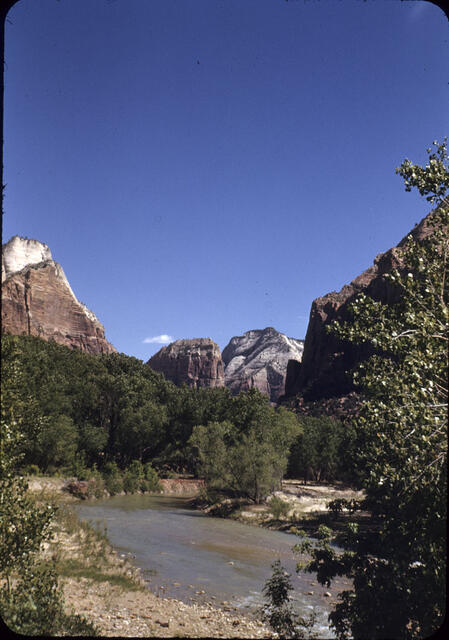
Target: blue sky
205	167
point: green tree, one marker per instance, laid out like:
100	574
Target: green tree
30	600
432	180
57	443
247	455
315	453
398	567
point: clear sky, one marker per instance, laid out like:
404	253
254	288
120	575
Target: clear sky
204	167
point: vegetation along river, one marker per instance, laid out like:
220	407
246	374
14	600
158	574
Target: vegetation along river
187	555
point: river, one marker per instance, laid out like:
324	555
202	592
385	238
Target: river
187	555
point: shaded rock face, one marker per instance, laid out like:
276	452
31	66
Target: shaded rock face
326	360
259	359
197	363
37	300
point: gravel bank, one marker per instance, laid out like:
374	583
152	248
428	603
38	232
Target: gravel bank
116	612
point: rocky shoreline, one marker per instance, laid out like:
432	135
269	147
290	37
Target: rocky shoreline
130	613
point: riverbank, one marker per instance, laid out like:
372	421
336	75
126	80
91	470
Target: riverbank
306	507
307	503
111	593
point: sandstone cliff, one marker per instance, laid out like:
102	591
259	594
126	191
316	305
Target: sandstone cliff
37	300
196	363
259	359
326	360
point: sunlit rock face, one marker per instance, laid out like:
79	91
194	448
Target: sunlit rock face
259	358
327	361
37	300
196	362
21	252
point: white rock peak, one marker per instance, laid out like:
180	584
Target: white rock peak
22	252
19	253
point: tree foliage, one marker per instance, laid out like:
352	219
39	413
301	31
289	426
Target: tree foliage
246	455
31	602
398	566
432	180
322	450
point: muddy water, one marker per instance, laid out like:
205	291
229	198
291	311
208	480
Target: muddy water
192	557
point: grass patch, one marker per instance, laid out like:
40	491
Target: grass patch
73	568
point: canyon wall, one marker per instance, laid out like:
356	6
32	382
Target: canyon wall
323	372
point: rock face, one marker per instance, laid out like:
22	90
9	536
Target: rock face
322	372
37	300
197	363
259	359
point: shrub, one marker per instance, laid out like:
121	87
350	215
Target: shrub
130	483
278	611
279	508
151	481
32	470
36	607
113	484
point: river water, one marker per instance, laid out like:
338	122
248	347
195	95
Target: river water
185	554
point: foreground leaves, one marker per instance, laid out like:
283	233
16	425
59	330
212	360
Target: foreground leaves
398	564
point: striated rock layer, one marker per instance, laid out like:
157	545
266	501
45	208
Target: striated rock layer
326	360
197	363
259	359
37	300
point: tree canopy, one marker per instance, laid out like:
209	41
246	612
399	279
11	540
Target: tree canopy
398	566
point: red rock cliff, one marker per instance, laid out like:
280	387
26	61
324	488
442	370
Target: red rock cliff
195	362
326	360
37	300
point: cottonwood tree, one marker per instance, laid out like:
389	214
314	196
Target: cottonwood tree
398	568
246	456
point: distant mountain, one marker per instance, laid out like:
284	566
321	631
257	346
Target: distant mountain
323	372
37	300
196	362
259	359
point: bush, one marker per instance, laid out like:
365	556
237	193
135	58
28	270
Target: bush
96	486
278	611
32	470
151	481
78	467
131	484
113	484
279	508
36	607
113	478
